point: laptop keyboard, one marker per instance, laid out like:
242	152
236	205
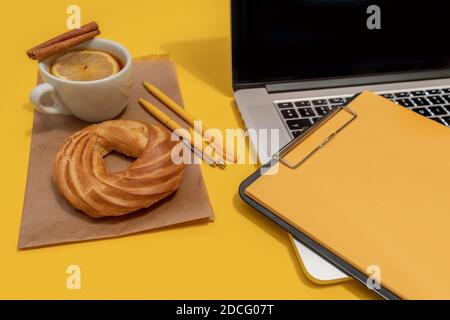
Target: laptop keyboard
299	115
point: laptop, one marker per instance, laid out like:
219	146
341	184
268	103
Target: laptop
295	60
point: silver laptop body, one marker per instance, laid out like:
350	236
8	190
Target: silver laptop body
418	79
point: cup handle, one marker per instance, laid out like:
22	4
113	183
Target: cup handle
41	90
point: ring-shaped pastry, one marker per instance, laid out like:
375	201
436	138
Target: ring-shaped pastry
81	175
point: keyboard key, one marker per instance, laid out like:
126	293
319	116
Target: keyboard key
418	93
319	102
322	110
405	102
438	120
434	91
420	102
446	97
436	100
289	113
438	110
446	90
447	107
285	105
387	95
306	112
402	94
316	119
422	111
447	120
336	100
302	103
299	124
296	133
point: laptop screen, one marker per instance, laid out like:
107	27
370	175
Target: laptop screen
295	40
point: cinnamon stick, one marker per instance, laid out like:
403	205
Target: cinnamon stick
64	41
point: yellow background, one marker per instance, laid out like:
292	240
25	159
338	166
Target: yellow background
239	255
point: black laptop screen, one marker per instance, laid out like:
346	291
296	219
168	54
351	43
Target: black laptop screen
294	40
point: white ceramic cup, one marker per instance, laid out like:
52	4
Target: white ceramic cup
91	101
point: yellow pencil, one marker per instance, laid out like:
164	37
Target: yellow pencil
196	143
228	152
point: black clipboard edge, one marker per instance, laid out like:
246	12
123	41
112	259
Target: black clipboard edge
307	241
303	238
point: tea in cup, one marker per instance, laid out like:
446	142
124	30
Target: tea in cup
91	81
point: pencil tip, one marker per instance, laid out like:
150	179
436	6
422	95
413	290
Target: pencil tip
221	164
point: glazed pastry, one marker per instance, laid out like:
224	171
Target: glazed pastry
81	175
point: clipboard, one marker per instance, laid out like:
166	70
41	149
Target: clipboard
367	189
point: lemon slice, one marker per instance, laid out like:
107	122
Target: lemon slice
85	65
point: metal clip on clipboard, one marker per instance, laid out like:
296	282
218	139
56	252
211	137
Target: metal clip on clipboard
294	143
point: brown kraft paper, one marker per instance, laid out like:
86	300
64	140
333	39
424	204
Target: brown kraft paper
47	217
